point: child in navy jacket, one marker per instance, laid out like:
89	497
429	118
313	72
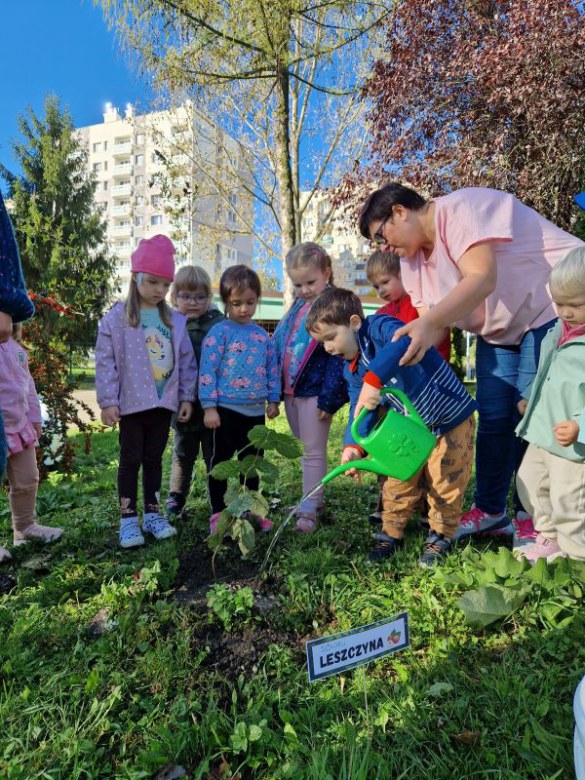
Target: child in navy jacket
312	381
337	320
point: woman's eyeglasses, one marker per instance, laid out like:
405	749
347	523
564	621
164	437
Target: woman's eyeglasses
379	239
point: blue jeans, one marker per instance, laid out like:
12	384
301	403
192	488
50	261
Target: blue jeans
503	372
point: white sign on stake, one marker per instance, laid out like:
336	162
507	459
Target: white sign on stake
349	649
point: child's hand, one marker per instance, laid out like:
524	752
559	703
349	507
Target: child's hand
38	430
521	406
185	411
369	397
321	415
272	410
349	454
566	432
211	418
110	416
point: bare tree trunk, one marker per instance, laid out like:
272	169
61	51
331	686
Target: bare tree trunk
284	175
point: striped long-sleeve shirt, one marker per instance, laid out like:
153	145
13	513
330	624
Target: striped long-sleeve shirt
431	386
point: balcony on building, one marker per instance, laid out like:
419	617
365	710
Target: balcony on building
122	169
122	230
122	148
122	248
122	190
123	210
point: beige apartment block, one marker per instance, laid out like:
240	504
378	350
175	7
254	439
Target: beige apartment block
341	240
157	173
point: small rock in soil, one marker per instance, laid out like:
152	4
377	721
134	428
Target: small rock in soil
170	772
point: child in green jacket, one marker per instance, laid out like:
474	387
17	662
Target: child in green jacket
551	479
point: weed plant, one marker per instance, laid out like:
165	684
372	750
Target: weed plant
106	674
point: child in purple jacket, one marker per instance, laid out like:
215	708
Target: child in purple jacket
145	371
238	378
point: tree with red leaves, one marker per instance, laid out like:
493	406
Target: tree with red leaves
482	93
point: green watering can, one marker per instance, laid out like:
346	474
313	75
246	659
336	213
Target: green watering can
398	446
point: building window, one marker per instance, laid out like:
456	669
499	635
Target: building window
106	165
233	199
155	201
231	216
156	219
97	147
139	221
139	180
104	186
97	167
139	159
232	254
140	200
140	139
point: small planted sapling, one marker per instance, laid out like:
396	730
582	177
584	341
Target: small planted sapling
242	504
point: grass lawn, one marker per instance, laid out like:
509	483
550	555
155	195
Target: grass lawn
114	666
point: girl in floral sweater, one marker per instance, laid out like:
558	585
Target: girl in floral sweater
238	378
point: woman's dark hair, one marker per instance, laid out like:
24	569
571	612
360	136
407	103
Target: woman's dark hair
238	278
380	203
334	306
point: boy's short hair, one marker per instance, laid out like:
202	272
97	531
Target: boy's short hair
382	262
191	277
334	306
568	275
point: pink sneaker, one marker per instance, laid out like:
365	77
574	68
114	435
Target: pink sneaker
544	548
524	534
476	521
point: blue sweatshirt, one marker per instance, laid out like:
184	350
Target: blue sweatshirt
238	366
432	387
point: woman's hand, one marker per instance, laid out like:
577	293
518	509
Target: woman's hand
211	418
185	411
423	335
272	410
566	432
110	416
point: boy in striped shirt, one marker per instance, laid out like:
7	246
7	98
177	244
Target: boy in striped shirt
336	319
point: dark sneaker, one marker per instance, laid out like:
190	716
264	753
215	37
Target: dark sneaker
436	548
385	547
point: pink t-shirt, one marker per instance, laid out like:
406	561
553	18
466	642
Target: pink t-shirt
526	245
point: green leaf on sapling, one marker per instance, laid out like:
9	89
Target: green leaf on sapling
486	605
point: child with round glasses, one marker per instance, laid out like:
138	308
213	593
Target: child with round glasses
192	296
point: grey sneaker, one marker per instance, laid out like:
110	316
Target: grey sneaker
130	535
158	526
435	549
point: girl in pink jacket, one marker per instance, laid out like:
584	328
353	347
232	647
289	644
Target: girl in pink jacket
22	421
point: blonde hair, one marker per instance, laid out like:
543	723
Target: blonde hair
309	254
382	262
133	307
568	276
190	277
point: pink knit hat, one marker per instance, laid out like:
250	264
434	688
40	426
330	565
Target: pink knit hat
154	256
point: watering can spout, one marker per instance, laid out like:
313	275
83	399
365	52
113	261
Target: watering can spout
365	464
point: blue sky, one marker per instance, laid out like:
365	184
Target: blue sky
62	47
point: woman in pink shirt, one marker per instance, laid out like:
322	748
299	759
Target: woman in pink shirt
477	259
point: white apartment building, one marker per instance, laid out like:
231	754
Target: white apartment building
155	175
342	241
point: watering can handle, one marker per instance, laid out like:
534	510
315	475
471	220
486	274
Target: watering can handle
386	391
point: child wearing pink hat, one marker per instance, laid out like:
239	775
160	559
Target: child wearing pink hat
145	371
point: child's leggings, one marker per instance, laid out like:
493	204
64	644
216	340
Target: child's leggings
229	438
313	432
23	476
143	438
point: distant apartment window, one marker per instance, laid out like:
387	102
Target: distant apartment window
154	157
140	139
156	219
139	180
106	165
233	199
102	205
97	147
155	201
104	186
139	221
105	146
140	200
231	216
97	167
139	159
232	254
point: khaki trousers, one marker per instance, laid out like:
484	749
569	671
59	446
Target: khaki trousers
446	475
552	489
23	476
